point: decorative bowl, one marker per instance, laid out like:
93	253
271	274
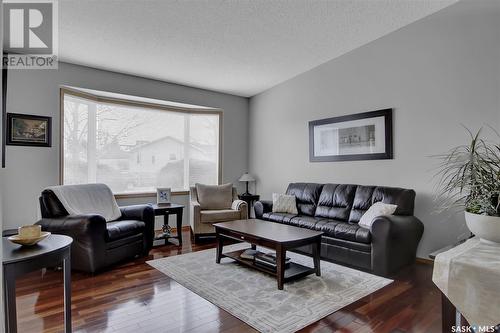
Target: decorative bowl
29	241
487	228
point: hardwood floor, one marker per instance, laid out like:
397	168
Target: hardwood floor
134	297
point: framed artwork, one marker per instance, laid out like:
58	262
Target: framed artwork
361	136
28	130
163	195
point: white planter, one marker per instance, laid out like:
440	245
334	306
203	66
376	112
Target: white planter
487	228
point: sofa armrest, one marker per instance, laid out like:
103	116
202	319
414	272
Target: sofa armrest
242	207
146	214
395	240
261	207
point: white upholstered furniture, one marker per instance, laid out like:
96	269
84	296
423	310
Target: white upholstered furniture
202	217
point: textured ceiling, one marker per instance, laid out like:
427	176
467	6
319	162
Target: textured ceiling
242	47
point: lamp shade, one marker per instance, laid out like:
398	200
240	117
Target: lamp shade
246	178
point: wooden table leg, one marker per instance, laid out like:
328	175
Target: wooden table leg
9	285
280	265
165	225
179	226
220	245
316	252
449	313
67	292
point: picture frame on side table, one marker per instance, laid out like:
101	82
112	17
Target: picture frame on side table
361	136
28	130
163	195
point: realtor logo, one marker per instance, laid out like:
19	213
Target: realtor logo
30	39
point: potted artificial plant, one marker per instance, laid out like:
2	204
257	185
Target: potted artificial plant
469	178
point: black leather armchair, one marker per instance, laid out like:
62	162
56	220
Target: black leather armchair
98	244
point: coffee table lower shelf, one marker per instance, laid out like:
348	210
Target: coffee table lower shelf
293	271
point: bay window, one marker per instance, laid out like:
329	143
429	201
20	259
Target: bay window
135	146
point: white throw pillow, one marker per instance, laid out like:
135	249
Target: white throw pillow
283	203
377	209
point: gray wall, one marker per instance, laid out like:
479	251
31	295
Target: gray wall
31	169
2	328
437	73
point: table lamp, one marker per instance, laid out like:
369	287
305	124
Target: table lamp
246	178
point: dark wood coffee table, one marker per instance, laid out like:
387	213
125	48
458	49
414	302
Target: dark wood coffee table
275	236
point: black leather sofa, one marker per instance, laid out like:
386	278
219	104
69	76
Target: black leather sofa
97	244
336	209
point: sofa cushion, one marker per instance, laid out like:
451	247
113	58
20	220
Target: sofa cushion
278	217
362	202
215	196
222	215
307	195
344	230
403	198
335	201
304	221
124	228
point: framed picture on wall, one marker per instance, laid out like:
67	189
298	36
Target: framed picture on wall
28	130
361	136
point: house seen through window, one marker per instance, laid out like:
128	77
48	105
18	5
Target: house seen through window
134	148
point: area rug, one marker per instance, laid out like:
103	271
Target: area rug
253	296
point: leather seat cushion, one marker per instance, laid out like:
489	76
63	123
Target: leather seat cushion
304	221
278	217
223	215
124	228
343	230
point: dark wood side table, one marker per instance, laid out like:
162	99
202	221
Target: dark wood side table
166	210
18	260
249	199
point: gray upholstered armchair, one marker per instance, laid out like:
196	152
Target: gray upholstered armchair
211	204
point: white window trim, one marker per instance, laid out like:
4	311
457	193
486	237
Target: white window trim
120	99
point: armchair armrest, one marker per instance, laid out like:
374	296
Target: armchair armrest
261	207
146	214
137	212
89	238
75	225
194	214
242	207
395	240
